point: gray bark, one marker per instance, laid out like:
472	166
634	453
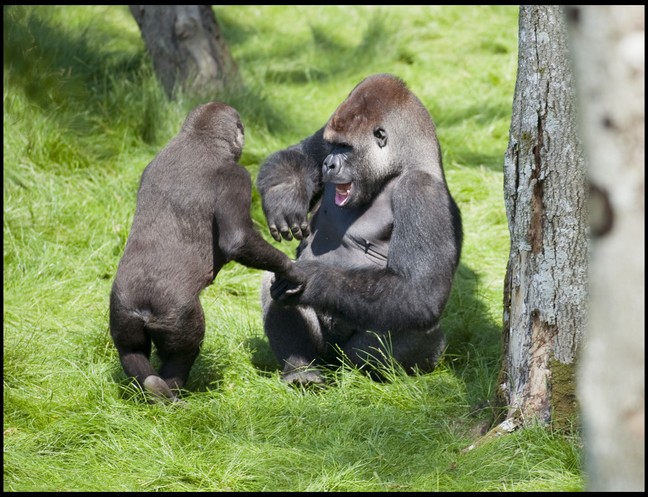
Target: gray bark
544	189
186	46
608	47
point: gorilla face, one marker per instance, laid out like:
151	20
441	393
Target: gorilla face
358	171
336	170
361	133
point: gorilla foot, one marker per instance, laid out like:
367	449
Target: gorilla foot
303	377
159	390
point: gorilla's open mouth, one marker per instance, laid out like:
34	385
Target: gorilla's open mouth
342	193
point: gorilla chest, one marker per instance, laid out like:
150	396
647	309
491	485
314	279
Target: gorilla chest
351	236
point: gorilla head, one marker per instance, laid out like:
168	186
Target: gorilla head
213	121
372	134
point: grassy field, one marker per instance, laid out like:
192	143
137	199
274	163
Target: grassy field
84	114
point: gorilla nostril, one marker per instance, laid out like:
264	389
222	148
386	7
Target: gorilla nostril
332	163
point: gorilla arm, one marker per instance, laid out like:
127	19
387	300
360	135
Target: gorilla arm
234	233
290	182
411	292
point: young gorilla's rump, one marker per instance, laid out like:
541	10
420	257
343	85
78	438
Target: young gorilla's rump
383	241
192	217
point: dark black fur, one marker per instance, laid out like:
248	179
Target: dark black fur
381	263
192	217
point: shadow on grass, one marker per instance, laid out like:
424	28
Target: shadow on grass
52	67
475	158
467	322
453	121
89	90
67	77
334	58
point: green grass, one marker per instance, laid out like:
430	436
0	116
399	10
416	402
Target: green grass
84	114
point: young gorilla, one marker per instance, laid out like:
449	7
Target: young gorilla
192	217
382	245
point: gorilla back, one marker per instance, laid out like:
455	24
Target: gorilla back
383	242
192	217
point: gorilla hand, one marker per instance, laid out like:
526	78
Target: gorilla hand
289	182
305	290
285	291
288	284
288	226
285	208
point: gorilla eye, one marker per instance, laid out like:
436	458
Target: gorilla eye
381	136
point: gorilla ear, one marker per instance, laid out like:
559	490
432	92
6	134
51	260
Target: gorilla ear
381	137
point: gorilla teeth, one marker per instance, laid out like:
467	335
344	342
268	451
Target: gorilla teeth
342	192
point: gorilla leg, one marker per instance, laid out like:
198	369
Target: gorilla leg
134	346
132	342
178	347
412	349
175	368
295	337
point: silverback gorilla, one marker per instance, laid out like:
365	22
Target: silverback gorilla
192	217
383	241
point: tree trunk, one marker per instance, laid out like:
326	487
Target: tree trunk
544	190
608	48
186	46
